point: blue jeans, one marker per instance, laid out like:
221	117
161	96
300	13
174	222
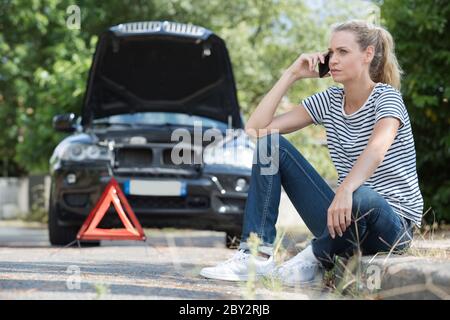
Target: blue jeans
375	226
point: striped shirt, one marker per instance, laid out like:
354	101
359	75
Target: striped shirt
395	179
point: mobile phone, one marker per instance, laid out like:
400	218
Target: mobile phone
324	67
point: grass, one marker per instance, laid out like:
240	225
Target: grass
431	232
357	281
354	278
101	290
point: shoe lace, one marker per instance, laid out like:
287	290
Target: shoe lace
292	261
298	263
238	256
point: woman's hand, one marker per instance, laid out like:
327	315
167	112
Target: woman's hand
305	66
340	212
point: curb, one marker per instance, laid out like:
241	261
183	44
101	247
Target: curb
409	277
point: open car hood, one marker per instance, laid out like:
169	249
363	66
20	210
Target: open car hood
161	66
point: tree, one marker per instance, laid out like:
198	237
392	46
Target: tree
44	64
43	72
420	30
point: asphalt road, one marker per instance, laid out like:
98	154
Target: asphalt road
165	267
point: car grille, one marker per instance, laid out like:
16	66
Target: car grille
155	162
190	202
134	157
167	159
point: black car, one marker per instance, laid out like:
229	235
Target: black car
148	80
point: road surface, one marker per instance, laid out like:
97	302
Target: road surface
166	266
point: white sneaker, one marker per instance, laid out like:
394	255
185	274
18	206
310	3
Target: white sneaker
239	267
298	271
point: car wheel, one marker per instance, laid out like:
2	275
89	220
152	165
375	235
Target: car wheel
232	240
60	235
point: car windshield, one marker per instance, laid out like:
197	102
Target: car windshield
160	119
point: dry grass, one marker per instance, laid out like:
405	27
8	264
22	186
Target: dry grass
349	278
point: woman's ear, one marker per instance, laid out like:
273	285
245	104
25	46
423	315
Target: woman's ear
369	53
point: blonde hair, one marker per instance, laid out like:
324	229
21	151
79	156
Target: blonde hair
384	66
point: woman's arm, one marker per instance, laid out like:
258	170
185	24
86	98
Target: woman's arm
382	137
263	116
340	210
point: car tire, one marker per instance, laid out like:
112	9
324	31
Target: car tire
232	239
60	235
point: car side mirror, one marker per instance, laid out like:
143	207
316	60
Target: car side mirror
64	122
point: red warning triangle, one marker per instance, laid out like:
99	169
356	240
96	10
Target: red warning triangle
112	194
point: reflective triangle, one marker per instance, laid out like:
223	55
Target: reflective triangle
112	194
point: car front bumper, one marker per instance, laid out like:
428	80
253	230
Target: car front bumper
210	200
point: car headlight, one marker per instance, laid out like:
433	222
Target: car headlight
81	152
238	156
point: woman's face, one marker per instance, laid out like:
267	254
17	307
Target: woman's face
347	61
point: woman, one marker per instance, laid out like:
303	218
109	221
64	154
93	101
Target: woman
377	201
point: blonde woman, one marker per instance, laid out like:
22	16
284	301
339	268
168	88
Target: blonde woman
377	201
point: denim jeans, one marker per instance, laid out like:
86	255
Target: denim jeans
375	226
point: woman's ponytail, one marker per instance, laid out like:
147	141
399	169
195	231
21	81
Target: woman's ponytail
389	70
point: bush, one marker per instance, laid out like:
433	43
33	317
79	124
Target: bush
419	29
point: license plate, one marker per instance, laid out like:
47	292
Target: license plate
155	188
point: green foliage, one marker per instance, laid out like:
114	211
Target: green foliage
44	64
420	29
43	73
